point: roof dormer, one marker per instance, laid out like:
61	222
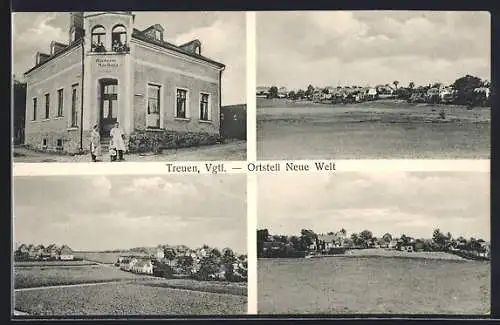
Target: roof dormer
155	32
56	47
41	58
193	46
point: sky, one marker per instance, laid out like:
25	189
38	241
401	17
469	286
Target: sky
346	48
121	212
222	34
413	203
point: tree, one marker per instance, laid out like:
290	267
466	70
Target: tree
465	89
343	232
405	240
439	239
411	85
300	94
186	262
292	95
366	235
309	91
325	91
273	92
396	83
308	236
387	237
169	254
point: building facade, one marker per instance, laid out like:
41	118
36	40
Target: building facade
112	72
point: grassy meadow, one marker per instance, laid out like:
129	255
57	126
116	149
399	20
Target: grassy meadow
370	130
373	285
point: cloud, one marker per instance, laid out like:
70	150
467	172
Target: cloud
225	40
101	186
109	212
363	47
412	203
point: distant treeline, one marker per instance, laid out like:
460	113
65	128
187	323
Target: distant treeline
334	242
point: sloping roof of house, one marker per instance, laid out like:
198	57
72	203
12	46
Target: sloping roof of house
328	238
143	37
65	250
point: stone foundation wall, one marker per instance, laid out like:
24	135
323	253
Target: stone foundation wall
70	141
153	141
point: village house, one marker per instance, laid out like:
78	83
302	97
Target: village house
66	253
111	72
142	266
393	244
160	254
262	92
282	92
484	90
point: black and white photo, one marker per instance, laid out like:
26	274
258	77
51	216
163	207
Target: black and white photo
151	85
373	84
129	245
391	243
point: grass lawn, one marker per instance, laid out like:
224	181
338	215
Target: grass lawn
373	285
370	130
127	299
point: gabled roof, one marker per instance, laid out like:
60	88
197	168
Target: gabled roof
141	36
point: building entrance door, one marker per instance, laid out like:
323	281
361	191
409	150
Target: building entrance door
108	105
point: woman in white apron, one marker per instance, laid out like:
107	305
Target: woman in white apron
118	139
95	143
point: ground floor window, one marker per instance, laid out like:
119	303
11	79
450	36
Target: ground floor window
181	107
153	108
204	107
47	106
35	102
60	102
74	108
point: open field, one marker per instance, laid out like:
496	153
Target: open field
100	257
370	130
25	277
234	150
378	252
373	285
52	263
127	299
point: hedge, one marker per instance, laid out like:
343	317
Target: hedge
155	141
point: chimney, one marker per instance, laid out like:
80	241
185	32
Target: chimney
76	30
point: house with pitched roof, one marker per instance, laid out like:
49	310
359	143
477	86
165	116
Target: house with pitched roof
110	72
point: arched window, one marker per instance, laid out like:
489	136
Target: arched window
98	35
118	37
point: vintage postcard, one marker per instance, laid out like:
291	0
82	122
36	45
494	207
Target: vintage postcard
373	84
374	243
114	86
129	245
